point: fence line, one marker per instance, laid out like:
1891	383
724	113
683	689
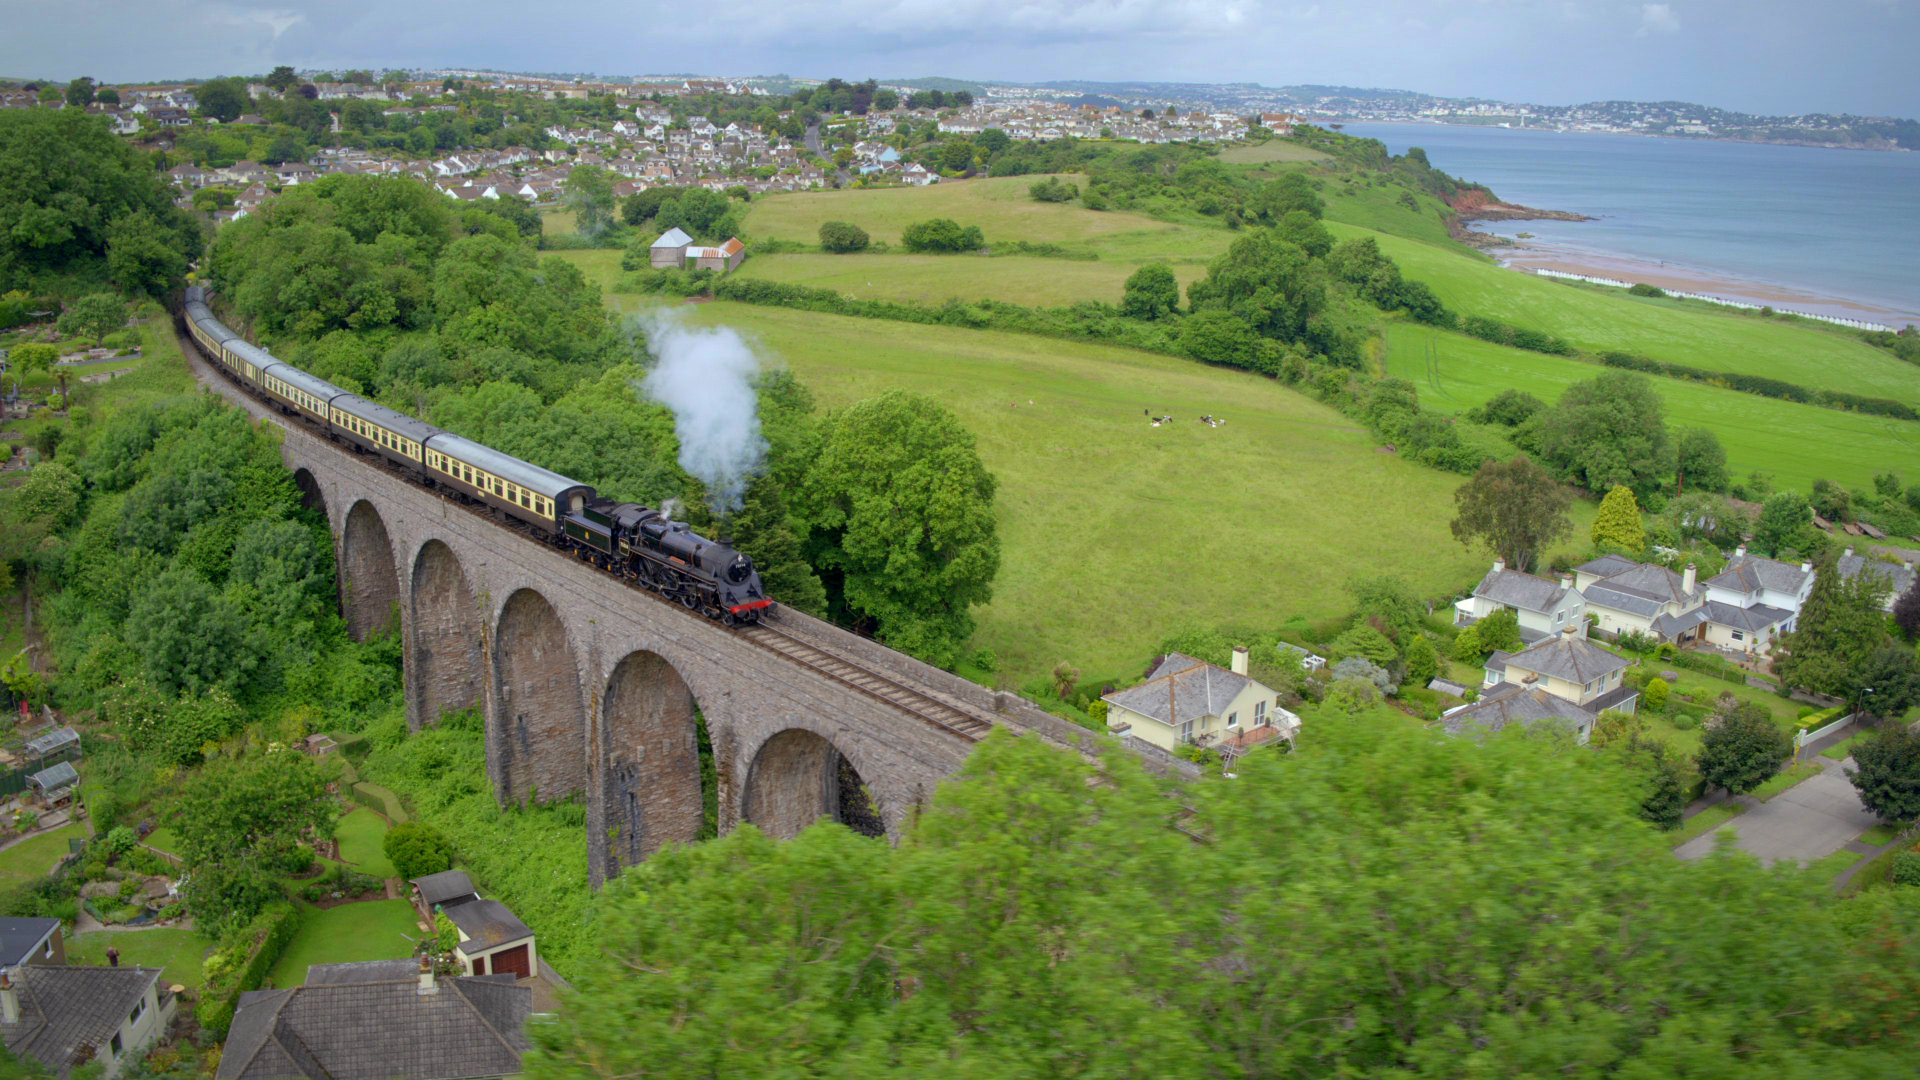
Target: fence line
1721	300
1805	737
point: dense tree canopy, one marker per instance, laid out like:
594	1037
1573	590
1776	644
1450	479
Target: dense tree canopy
1744	750
75	191
1888	777
1609	432
1041	921
1514	509
1839	627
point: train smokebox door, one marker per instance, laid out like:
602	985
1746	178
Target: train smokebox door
511	961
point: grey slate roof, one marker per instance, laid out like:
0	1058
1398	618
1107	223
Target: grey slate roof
1605	594
1497	662
1616	698
65	1008
1674	625
1750	573
1568	657
1518	590
1898	578
379	1030
1606	566
1756	617
1182	689
20	939
1508	703
488	924
362	971
445	886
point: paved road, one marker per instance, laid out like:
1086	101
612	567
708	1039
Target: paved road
1809	821
812	140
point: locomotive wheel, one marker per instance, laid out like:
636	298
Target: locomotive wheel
729	619
689	601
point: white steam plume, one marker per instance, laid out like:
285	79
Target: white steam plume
705	375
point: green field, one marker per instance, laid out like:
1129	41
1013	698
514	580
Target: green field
934	279
374	930
1001	208
1797	443
178	951
1116	533
1273	151
1684	332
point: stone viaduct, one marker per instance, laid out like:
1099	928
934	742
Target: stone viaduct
590	687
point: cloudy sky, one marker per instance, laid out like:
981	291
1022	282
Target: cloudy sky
1772	56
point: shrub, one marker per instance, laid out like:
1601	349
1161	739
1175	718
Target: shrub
1656	692
1686	722
297	860
1053	189
942	235
1906	868
242	961
417	849
312	892
843	238
1644	289
120	840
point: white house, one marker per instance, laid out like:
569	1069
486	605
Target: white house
1545	607
1754	601
1898	577
1190	701
110	1015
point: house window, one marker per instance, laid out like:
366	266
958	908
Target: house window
1560	616
1233	719
139	1010
114	1044
1259	714
1738	636
1186	731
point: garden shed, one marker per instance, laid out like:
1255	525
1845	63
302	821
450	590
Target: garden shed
54	785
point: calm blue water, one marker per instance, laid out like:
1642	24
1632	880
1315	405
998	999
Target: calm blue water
1842	223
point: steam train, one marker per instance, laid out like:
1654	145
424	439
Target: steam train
637	542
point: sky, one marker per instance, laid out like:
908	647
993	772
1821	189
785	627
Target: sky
1761	56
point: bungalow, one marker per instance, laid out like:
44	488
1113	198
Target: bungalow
1545	607
63	1017
1897	576
393	1019
1185	700
1564	678
168	116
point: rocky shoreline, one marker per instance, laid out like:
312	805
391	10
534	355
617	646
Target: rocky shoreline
1478	204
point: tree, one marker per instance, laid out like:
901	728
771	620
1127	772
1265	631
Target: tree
941	235
1053	189
1700	462
189	637
107	95
1656	692
842	238
1831	501
1886	684
1665	800
1839	626
1906	610
1064	677
1888	777
1387	602
590	197
886	100
1744	750
283	79
417	849
1152	292
1608	432
1515	509
1782	517
80	92
1499	631
1367	643
236	821
1268	282
843	157
51	491
1423	661
902	516
1279	197
1304	230
1618	523
93	317
224	99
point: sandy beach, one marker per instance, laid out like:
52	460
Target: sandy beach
1530	255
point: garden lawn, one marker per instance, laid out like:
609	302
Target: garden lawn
1685	332
1839	751
374	930
162	839
1791	776
934	279
178	951
361	834
1797	443
1881	835
1832	866
1115	533
1001	208
1705	820
34	857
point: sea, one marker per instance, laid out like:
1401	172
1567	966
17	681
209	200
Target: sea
1828	227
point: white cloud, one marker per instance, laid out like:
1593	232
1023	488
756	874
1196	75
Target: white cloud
1658	19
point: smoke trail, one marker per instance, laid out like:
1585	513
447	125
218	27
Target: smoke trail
705	375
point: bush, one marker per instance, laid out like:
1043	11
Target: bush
297	860
417	849
1644	289
843	238
1052	189
242	963
120	840
1656	692
1686	722
1906	868
312	892
942	235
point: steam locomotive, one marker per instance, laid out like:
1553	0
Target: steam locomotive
637	542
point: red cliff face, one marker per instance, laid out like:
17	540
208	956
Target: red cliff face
1469	199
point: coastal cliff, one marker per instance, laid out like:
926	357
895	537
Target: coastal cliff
1475	203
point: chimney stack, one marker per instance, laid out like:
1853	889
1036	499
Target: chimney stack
1806	567
1499	565
1239	659
1570	630
1690	579
1740	552
9	1000
426	976
1847	554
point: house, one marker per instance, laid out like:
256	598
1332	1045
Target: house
1754	601
170	117
492	939
1545	607
1630	597
670	251
718	259
1565	678
31	941
1308	660
447	889
296	172
63	1017
1185	700
1897	576
379	1020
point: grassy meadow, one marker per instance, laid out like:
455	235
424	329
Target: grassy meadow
934	279
1272	152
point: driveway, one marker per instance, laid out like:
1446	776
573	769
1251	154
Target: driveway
1809	821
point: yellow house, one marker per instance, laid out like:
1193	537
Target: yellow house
1190	701
1565	678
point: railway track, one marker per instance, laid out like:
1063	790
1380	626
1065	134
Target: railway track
967	725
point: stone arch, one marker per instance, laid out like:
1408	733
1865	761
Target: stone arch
368	580
311	496
654	792
445	664
541	739
799	777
